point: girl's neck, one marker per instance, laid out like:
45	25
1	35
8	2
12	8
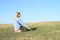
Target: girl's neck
18	17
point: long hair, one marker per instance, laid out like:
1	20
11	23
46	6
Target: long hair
16	16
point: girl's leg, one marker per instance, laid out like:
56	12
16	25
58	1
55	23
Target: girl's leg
26	26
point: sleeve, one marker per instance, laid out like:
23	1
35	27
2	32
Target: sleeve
23	23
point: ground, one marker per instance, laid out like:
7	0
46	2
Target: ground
43	31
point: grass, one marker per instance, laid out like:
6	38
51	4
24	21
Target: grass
44	31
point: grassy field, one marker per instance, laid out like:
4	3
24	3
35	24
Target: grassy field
43	31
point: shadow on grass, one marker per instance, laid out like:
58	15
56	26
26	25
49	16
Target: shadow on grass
25	29
32	29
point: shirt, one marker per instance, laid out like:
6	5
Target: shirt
18	23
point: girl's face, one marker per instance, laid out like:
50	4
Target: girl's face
18	15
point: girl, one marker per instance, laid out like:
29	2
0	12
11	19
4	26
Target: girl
18	23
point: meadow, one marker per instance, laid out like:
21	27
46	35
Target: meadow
40	31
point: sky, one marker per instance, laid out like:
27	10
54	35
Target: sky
31	10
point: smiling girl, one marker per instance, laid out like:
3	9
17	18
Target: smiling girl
18	23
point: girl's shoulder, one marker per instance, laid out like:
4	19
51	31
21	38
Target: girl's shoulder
19	19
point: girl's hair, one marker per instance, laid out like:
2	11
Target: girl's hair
16	16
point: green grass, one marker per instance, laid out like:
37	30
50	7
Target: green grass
44	31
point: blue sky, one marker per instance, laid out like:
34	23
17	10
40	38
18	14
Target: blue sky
31	10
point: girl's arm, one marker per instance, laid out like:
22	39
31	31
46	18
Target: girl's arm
23	24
